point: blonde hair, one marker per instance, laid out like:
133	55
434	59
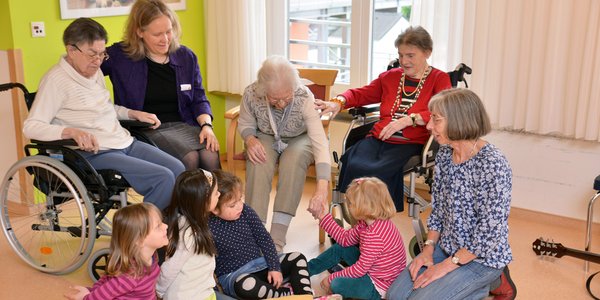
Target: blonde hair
368	198
465	114
143	12
131	225
277	72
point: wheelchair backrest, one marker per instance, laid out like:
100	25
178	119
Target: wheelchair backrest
456	76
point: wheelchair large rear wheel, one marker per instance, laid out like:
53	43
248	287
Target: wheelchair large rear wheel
46	215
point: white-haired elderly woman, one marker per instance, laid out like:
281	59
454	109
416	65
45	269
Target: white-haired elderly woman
279	124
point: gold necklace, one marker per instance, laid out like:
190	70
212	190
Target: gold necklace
416	92
425	72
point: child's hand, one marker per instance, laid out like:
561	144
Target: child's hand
326	286
275	278
77	292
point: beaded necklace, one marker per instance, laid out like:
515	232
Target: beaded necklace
400	92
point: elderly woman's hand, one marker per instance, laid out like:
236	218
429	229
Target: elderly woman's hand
208	135
327	107
394	126
85	140
255	151
143	116
318	205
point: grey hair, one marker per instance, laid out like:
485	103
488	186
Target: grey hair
464	112
84	30
277	72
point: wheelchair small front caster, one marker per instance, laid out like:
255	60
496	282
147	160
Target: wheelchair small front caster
98	263
413	247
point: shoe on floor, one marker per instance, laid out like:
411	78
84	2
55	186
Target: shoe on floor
507	289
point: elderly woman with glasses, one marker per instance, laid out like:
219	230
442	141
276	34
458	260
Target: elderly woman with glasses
278	123
72	102
467	250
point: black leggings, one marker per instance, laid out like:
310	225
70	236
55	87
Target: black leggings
294	271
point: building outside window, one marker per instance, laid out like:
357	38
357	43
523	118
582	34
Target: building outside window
321	34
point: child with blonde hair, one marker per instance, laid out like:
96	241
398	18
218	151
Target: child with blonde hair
132	268
372	248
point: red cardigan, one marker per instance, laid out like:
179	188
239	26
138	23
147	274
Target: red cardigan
384	89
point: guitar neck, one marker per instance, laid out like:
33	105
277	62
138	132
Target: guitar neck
589	256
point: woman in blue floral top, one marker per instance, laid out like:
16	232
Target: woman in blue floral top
467	243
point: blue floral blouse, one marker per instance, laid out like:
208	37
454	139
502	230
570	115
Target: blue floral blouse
471	203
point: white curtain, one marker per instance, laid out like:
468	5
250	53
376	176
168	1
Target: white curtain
536	63
235	43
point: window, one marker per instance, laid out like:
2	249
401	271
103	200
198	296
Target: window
326	34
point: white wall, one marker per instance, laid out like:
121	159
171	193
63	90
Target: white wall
8	151
551	175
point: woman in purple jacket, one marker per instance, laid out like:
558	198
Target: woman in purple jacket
151	71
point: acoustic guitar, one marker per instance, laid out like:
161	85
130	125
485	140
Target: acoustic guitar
546	248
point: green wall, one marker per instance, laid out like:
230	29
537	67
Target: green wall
39	54
6	39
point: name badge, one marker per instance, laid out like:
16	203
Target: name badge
186	87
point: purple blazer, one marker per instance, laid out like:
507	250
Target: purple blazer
129	79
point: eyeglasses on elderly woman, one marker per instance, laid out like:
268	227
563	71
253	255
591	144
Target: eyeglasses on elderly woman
103	56
280	98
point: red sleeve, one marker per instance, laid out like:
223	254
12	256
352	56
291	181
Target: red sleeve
368	94
342	236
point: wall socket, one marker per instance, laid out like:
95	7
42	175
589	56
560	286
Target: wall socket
38	29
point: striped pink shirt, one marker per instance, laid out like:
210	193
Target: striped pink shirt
125	287
382	254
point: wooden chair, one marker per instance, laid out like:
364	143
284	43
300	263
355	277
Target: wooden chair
321	82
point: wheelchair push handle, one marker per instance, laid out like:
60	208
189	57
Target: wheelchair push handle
11	85
29	97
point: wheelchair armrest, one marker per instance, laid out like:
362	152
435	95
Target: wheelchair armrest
364	110
135	124
67	142
430	149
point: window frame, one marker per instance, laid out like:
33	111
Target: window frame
360	46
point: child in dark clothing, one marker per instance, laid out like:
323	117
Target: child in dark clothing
248	266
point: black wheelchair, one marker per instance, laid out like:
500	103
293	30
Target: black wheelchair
54	204
363	119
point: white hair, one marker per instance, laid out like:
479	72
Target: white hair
277	73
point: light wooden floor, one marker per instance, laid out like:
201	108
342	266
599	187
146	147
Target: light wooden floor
536	278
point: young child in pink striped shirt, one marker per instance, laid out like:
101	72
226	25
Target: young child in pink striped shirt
372	248
132	268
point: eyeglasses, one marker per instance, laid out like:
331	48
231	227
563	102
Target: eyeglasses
436	119
284	100
92	57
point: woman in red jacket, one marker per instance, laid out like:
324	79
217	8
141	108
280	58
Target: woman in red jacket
400	132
